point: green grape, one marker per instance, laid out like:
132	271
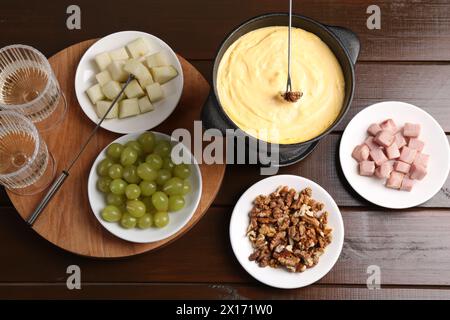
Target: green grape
145	221
173	186
186	187
114	151
150	208
136	208
163	176
182	171
128	156
168	164
146	172
163	148
115	199
115	171
103	184
132	191
118	186
147	188
111	213
128	221
136	146
161	219
155	161
176	202
160	201
147	141
130	174
103	166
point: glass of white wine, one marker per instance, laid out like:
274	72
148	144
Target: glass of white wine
26	166
29	86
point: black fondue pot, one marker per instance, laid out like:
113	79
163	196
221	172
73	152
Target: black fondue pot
345	46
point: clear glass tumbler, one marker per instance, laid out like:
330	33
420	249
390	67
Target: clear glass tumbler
29	86
26	166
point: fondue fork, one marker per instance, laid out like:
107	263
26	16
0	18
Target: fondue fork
289	95
65	173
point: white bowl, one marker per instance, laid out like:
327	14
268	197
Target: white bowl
85	78
177	219
280	277
436	145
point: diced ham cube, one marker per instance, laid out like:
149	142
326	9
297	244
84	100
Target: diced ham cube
418	172
407	184
366	168
384	138
361	153
408	155
378	156
399	140
421	159
373	129
411	130
415	143
390	125
392	151
402	167
384	170
371	144
395	180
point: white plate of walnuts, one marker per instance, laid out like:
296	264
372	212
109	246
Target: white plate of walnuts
286	231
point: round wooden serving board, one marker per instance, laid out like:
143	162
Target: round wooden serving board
68	221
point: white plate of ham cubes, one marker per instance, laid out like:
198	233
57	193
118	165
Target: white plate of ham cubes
395	155
148	100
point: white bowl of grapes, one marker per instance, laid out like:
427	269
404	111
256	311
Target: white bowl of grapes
144	187
147	100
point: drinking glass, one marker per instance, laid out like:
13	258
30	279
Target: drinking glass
29	86
26	166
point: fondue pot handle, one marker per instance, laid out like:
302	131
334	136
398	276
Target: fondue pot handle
349	39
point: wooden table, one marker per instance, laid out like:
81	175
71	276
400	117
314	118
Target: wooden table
407	60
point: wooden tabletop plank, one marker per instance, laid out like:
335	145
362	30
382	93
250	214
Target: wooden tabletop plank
321	166
179	291
410	247
418	30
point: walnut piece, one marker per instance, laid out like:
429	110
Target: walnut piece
292	96
288	229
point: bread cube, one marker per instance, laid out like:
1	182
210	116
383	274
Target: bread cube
163	74
103	77
128	108
102	107
117	72
119	54
137	69
145	105
111	89
154	92
134	90
138	47
103	60
95	93
158	59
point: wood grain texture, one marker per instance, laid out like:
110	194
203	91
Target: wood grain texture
410	247
410	30
68	221
321	166
212	291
